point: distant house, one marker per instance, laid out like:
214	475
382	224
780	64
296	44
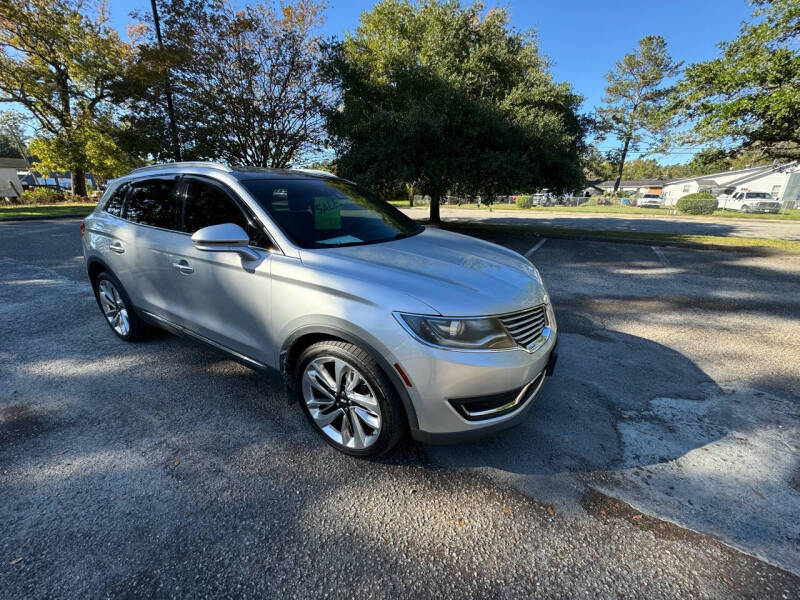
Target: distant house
641	186
782	181
10	186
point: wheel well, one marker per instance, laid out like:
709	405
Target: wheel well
95	268
289	360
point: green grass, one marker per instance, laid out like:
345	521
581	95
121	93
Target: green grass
670	238
792	214
44	211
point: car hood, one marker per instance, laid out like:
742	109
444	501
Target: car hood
455	275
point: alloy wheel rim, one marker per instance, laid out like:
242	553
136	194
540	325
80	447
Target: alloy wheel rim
341	402
114	307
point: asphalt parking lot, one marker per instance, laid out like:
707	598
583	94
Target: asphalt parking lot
661	461
655	223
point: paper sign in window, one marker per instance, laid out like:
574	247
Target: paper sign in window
327	214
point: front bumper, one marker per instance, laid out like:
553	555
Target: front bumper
442	381
511	418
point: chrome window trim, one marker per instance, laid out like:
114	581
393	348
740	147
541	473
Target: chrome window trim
134	180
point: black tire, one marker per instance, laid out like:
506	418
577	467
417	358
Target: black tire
393	420
745	208
137	329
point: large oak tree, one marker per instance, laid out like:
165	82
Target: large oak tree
244	80
749	97
450	98
59	60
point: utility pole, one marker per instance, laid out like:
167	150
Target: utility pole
173	129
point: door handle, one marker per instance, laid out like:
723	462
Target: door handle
117	247
183	267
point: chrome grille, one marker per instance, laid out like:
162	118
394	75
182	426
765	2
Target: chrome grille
525	326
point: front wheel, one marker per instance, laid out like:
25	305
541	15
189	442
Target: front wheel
348	399
745	208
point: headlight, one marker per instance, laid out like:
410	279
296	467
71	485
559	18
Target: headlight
486	333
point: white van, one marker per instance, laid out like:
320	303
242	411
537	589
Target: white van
746	201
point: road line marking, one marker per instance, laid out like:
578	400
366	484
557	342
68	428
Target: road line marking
530	252
661	256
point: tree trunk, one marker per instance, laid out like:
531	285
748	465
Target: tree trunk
411	195
621	163
173	128
435	218
78	183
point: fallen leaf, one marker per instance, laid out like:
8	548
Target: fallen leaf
637	517
16	560
757	493
177	462
507	511
462	522
550	511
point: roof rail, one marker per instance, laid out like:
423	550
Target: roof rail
192	163
318	172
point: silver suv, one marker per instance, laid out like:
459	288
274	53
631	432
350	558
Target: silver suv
377	323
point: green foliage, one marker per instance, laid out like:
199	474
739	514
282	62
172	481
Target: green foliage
41	195
635	97
697	204
453	99
8	146
525	201
642	168
244	77
99	153
750	95
59	60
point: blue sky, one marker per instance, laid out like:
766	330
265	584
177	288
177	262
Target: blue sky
583	38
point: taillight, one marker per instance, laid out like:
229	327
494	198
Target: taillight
83	228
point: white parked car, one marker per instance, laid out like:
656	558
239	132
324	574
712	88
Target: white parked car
543	198
762	202
649	201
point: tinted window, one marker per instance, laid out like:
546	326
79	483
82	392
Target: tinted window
206	204
322	213
116	203
153	202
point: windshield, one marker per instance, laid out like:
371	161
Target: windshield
327	213
763	195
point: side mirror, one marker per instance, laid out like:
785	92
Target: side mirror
227	237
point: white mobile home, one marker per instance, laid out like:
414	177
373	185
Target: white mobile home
10	186
641	186
781	181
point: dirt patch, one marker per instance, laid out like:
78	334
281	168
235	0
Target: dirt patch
795	480
19	422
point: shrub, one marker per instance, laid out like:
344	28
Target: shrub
42	195
697	204
525	201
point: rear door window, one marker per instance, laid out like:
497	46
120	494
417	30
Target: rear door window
153	202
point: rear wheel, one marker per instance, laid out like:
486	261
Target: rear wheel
117	308
348	399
